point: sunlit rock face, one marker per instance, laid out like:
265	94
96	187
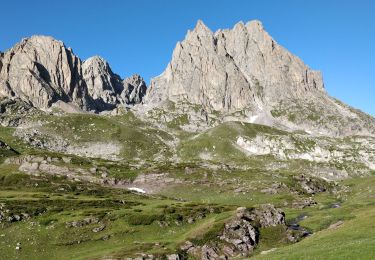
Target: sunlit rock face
41	71
233	69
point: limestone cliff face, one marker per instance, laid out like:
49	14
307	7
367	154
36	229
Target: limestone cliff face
102	84
233	69
41	71
1	58
134	90
245	69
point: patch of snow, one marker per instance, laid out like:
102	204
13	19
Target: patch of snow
137	189
253	118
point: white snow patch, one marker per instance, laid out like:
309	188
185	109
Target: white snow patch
137	189
253	118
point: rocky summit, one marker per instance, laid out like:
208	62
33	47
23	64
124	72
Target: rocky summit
230	70
245	70
235	151
241	72
41	71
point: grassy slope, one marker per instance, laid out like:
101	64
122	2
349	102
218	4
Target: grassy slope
49	238
137	138
132	224
354	239
218	141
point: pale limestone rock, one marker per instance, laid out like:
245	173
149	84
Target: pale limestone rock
134	89
1	57
102	84
107	89
245	70
41	70
233	69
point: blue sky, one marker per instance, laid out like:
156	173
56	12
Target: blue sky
336	37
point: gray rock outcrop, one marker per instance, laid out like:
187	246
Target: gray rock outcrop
240	234
233	69
102	84
134	90
245	69
41	71
242	73
1	58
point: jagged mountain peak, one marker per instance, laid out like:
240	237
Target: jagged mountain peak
201	27
245	69
97	65
207	68
96	60
41	39
40	71
254	24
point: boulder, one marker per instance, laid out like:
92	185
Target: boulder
209	253
240	235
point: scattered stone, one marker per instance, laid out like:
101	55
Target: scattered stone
173	257
303	203
336	225
310	185
335	205
209	253
106	237
66	159
186	246
81	223
98	229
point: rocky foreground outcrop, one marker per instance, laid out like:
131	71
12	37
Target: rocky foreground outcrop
41	71
6	150
240	235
